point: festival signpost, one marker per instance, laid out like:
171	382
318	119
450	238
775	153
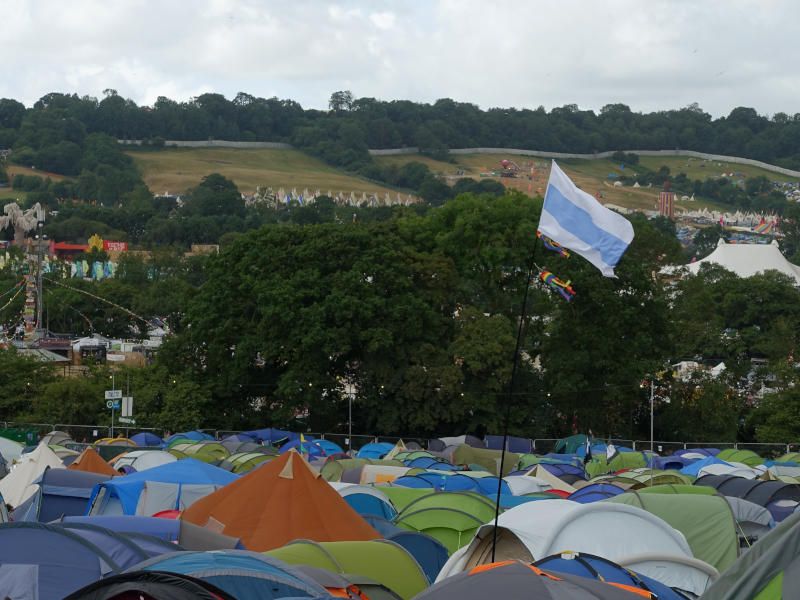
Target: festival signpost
112	401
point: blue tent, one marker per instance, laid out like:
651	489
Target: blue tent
272	436
429	552
127	549
48	561
145	438
602	569
513	444
451	483
671	462
413	481
564	469
694	468
185	471
594	492
365	503
329	447
421	462
307	447
488	487
188	535
61	492
375	450
242	574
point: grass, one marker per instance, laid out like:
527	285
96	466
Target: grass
175	170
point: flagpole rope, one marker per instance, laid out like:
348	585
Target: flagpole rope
510	394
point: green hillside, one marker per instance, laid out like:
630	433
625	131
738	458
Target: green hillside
177	170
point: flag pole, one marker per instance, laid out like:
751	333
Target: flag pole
511	382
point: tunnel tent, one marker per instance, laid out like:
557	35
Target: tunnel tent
381	560
244	461
150	584
767	571
208	451
537	529
141	460
706	521
241	573
747	457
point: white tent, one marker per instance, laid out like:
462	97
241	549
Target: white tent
18	486
10	449
526	484
748	259
537	529
144	459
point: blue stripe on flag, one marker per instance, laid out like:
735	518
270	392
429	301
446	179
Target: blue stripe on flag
579	223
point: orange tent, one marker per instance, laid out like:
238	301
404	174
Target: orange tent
91	461
283	500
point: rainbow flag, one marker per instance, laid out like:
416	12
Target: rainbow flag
764	228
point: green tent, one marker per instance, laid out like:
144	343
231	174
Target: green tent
705	521
770	570
489	459
789	457
332	470
382	560
242	462
680	488
622	461
747	457
570	445
412	454
207	451
400	496
450	517
651	477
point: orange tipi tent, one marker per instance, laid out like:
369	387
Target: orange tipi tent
91	461
283	500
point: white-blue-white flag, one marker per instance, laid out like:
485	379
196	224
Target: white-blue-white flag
577	221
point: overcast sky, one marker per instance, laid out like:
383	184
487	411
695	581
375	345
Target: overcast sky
649	54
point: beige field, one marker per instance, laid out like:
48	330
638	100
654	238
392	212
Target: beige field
177	169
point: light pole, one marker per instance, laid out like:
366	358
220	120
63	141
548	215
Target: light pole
350	390
652	391
113	400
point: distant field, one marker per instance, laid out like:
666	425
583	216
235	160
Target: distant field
175	170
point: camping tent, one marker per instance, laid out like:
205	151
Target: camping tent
18	486
173	485
90	461
614	531
61	492
243	574
381	560
280	501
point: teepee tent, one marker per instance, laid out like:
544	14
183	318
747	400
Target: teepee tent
283	500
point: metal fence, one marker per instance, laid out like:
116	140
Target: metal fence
87	434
